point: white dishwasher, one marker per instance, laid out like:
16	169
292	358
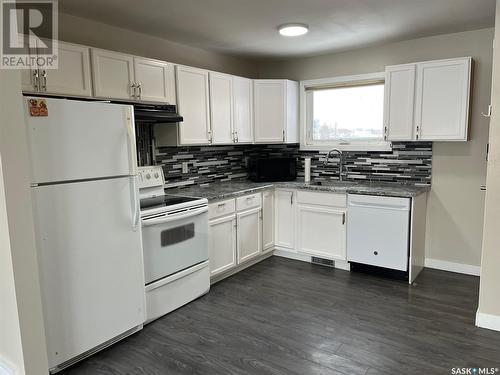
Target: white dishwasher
378	231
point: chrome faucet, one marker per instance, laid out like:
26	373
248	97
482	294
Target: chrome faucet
341	161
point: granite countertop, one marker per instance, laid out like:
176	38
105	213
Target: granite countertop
231	189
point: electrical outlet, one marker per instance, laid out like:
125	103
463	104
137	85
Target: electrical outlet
185	168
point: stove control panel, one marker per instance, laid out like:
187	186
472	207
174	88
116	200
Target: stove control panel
149	177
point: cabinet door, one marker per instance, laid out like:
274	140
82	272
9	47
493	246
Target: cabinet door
249	234
399	99
28	80
321	232
222	244
72	77
269	111
113	74
243	109
221	108
193	105
156	80
268	220
285	219
442	100
28	83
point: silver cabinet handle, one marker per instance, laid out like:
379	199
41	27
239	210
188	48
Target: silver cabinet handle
418	132
132	90
209	132
44	80
487	114
385	133
36	80
291	198
139	86
343	218
483	187
236	132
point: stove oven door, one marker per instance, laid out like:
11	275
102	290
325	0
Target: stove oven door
174	241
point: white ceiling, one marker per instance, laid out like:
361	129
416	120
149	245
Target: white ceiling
249	27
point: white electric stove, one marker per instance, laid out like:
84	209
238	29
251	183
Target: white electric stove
175	243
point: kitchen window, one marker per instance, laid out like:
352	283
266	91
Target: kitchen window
345	112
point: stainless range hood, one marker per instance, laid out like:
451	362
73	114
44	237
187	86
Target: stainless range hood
156	114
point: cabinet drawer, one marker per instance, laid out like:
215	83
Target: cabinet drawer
322	199
248	201
221	208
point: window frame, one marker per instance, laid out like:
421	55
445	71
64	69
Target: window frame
307	144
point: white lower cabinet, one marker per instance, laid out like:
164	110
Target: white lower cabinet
321	224
222	244
268	220
236	228
321	231
285	219
249	234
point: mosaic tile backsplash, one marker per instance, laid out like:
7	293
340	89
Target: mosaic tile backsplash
408	163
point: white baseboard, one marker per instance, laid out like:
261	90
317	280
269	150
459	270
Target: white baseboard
343	265
488	321
443	265
346	266
292	255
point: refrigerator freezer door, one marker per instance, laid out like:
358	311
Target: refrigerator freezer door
81	140
91	265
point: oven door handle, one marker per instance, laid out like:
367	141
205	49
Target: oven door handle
179	216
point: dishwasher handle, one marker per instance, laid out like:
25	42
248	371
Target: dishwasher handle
381	206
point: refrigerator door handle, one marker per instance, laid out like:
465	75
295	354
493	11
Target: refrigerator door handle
131	139
136	208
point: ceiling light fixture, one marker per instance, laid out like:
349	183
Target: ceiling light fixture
293	29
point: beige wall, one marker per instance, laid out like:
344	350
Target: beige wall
95	34
11	350
456	204
24	267
489	298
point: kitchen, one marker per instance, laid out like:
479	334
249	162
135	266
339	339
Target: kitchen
240	190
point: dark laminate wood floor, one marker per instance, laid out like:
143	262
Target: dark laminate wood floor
286	317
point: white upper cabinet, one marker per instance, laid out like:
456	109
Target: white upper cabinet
126	77
113	75
442	105
155	80
276	111
428	101
193	104
221	108
71	78
242	110
399	102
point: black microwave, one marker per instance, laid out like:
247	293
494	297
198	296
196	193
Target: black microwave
272	169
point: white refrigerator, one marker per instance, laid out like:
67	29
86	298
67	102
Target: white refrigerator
87	222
